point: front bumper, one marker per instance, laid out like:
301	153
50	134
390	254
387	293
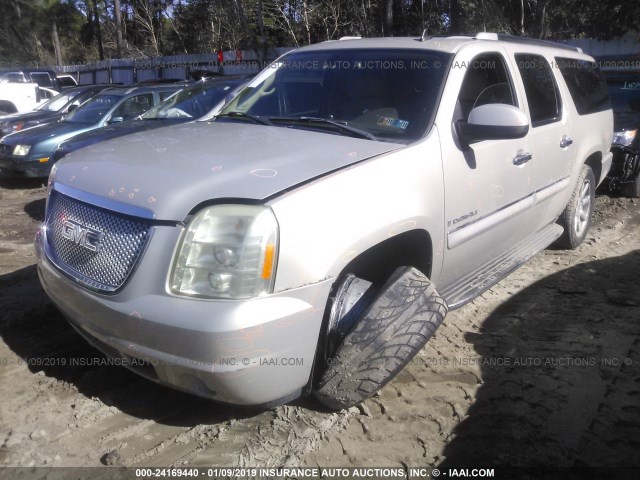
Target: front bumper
28	166
252	352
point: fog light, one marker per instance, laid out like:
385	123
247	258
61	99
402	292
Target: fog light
220	282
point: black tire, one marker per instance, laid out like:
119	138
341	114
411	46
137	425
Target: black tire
397	324
576	218
632	189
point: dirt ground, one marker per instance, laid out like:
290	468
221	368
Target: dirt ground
541	370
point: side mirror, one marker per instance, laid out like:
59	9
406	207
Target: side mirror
116	120
493	121
71	108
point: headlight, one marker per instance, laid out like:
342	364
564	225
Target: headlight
227	251
624	138
21	150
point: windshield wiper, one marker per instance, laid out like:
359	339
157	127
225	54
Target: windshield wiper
343	127
235	114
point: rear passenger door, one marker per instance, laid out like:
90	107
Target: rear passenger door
550	136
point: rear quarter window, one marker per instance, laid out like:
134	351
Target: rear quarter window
586	84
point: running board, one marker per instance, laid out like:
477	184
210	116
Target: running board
484	277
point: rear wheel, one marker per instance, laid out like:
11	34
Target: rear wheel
576	218
394	326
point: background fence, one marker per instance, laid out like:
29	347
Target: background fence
178	67
622	53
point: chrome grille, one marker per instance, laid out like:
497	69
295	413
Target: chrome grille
122	240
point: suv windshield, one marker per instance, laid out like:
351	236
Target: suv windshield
625	100
93	110
386	95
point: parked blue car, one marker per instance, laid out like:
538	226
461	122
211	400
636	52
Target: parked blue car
30	153
201	101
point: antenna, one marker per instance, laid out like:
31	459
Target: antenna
424	35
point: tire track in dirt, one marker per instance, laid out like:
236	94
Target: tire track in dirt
293	432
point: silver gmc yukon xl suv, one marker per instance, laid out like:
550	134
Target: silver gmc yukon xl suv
311	238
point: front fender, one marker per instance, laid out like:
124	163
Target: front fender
327	223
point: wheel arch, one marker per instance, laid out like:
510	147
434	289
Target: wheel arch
594	161
7	106
412	248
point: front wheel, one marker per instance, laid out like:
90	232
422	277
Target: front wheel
576	218
395	326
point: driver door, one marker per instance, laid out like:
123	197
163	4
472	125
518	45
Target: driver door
488	184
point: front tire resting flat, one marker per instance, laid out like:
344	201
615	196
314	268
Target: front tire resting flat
576	218
397	324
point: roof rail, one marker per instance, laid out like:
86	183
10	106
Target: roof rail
524	40
349	38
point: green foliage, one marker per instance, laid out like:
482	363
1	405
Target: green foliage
26	29
157	27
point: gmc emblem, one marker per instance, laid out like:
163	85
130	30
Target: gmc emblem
80	235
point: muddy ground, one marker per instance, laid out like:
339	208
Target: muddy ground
542	370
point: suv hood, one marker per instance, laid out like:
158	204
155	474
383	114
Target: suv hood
169	172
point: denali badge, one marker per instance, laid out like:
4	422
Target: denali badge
83	236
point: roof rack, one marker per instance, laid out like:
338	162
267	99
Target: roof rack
524	40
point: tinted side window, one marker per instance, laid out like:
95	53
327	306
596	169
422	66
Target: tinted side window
586	85
134	106
540	87
486	81
42	79
45	94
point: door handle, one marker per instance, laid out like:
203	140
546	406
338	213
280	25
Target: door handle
522	158
566	141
